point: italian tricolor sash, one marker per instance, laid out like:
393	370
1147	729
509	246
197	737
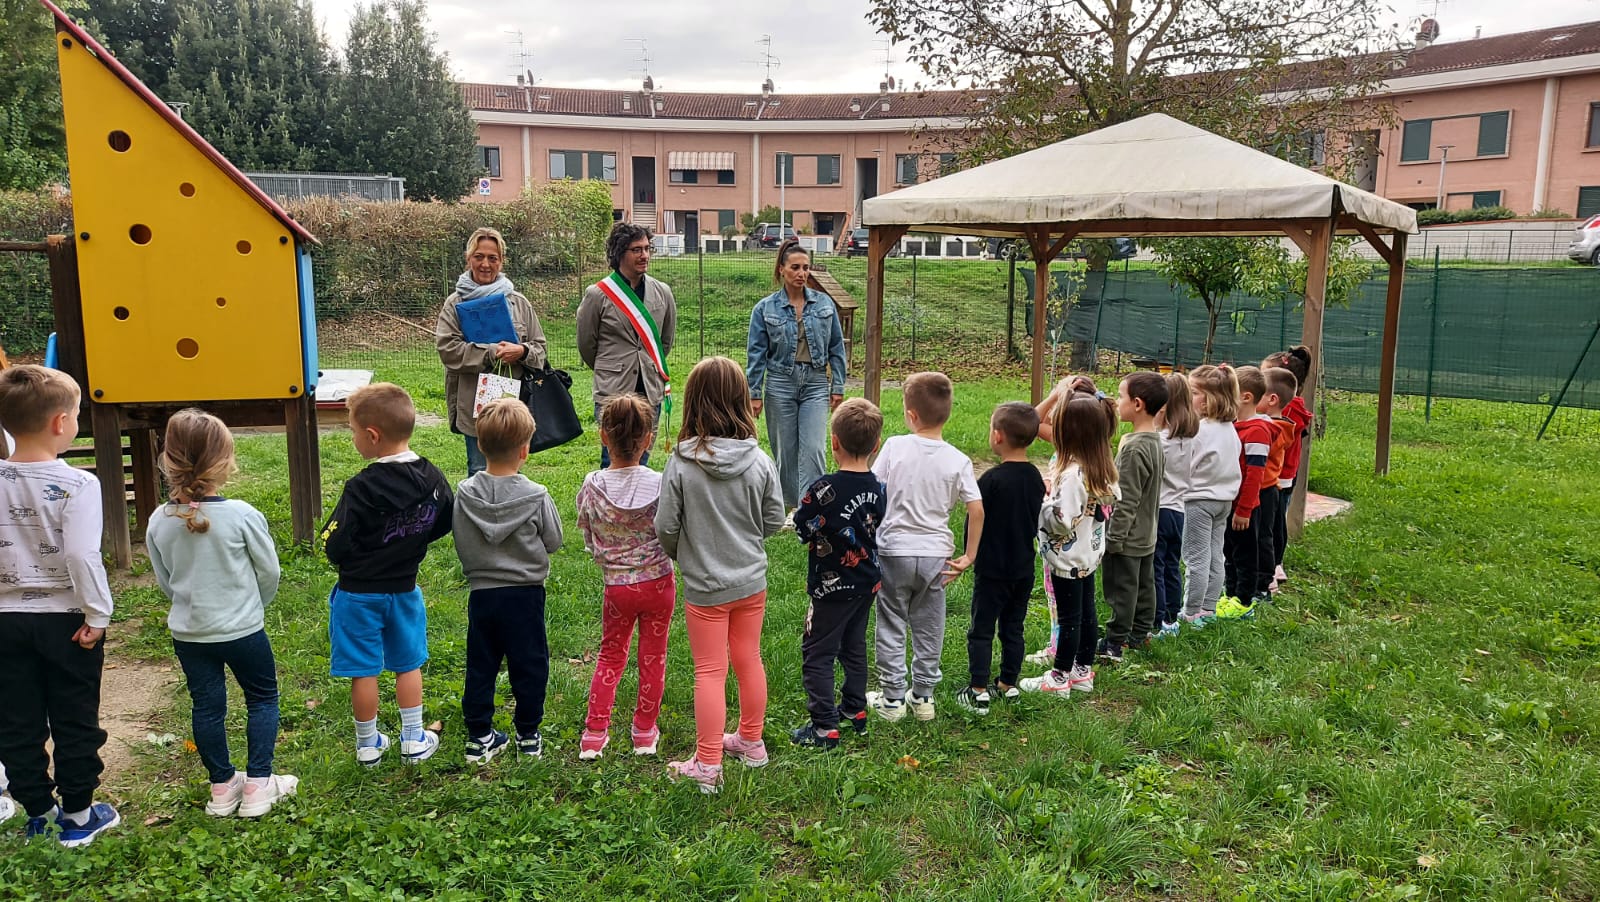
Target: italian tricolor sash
615	287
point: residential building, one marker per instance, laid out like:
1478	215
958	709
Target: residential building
1519	115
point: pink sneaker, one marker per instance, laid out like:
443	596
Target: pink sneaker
709	776
750	753
645	743
1279	576
225	797
592	745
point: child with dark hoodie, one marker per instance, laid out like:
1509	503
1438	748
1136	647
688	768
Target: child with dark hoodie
506	527
377	536
719	503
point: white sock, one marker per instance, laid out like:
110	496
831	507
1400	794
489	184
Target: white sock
367	733
411	724
78	817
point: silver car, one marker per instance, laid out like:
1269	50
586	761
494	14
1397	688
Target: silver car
1585	247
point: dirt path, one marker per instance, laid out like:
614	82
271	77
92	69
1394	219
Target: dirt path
133	696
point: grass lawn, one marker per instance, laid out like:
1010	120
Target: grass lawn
1416	718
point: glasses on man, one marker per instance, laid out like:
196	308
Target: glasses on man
639	250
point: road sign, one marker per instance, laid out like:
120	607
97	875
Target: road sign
483	187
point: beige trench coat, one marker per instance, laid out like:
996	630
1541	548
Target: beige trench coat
463	361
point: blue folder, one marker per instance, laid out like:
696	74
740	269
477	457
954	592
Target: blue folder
487	320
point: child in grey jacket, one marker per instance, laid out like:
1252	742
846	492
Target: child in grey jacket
719	502
505	526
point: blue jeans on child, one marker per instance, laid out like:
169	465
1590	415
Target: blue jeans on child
250	659
476	462
796	407
1169	551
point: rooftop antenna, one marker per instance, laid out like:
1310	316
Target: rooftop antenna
643	60
888	63
768	62
520	56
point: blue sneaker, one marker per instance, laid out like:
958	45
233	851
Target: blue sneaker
37	827
483	749
102	817
1167	630
416	751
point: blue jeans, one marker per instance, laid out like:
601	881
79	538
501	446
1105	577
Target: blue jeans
476	462
796	407
250	659
605	453
1169	551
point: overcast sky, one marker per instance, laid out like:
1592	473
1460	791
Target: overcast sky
821	45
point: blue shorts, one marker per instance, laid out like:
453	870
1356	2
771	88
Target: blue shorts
369	633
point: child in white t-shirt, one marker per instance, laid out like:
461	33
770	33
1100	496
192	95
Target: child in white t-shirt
925	478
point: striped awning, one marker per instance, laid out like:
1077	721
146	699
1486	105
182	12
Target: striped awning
700	159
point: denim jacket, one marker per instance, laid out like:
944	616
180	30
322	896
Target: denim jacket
773	336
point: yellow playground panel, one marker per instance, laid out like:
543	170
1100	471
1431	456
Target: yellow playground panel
190	286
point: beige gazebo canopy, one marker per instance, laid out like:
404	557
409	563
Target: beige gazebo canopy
1153	176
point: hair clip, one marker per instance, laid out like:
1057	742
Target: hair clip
194	505
1100	395
1225	367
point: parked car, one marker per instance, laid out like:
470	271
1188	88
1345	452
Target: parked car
854	243
1585	247
768	235
1000	249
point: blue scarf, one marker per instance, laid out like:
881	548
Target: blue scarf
468	290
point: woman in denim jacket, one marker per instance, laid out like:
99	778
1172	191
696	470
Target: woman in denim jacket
800	372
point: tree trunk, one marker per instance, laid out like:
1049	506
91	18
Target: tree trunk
1211	328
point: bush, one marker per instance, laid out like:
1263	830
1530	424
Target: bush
33	215
1476	214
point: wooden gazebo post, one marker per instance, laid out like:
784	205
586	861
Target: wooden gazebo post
880	239
1043	252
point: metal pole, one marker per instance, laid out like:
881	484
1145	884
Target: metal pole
1444	155
1433	338
913	307
702	256
1570	376
1011	308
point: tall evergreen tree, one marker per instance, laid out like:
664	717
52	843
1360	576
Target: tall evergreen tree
33	143
256	76
399	110
139	33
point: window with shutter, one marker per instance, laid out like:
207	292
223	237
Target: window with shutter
1494	130
602	166
1594	125
828	169
905	168
1589	201
785	168
1415	140
1485	199
724	176
726	220
489	161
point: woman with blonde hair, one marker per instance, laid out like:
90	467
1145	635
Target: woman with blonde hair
465	360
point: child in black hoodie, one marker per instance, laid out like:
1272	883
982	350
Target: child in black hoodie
377	535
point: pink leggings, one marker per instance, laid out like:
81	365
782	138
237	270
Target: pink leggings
650	605
718	634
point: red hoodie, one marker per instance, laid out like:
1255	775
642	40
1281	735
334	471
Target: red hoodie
1256	433
1301	415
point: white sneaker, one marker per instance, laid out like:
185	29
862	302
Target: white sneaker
921	707
225	797
416	751
370	755
1053	682
259	799
7	808
891	709
1044	657
1082	679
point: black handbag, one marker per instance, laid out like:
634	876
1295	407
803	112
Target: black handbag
548	394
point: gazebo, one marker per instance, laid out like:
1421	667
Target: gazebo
1152	176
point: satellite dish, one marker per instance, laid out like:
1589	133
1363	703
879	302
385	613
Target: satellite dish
1429	30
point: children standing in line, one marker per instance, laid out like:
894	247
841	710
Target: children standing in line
1179	426
1129	583
1012	493
926	478
719	501
1072	534
1213	486
1296	360
215	559
55	605
506	527
838	518
1046	410
378	533
1242	544
1280	388
617	511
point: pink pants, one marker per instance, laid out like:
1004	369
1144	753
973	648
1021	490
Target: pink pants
650	605
718	634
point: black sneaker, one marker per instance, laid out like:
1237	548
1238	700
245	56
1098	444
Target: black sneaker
530	744
808	737
974	700
1001	692
856	721
1141	644
1109	651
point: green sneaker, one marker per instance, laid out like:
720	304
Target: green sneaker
1230	608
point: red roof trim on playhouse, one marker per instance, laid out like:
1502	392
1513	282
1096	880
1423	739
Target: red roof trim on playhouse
65	23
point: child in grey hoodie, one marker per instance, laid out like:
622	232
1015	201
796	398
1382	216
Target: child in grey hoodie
719	502
506	526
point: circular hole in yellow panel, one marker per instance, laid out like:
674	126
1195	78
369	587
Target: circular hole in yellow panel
243	246
120	312
186	189
222	302
67	43
140	233
188	348
119	141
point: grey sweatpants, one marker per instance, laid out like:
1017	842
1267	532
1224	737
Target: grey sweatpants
1205	522
912	598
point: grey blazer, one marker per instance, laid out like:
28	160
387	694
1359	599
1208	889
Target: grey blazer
609	345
